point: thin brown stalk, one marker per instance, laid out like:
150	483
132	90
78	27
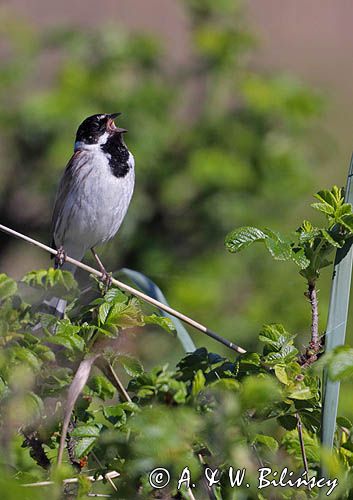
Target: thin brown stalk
311	353
118	384
302	446
312	296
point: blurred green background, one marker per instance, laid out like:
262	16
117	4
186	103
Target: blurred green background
237	114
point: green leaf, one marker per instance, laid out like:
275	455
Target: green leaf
8	287
25	355
347	222
162	321
299	258
198	383
281	374
324	208
329	239
125	315
101	386
289	422
66	334
275	335
330	198
49	278
84	446
345	209
285	355
302	393
243	237
279	249
88	430
344	422
103	312
131	365
266	441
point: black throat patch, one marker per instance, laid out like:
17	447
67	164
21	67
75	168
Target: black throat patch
119	155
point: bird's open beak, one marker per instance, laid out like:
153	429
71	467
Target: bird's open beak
111	125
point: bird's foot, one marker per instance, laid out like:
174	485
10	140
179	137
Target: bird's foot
106	280
60	257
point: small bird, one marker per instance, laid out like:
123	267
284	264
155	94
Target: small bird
95	191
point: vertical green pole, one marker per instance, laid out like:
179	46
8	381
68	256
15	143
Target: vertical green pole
336	324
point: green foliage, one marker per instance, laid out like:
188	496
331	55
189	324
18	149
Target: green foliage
208	410
312	245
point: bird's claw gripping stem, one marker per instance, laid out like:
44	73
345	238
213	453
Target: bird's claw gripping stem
60	257
106	279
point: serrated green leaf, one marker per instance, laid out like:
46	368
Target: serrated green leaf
131	365
299	258
243	237
328	197
85	431
124	315
250	358
103	312
280	250
101	386
8	287
66	334
345	209
286	354
115	295
275	335
347	222
324	208
329	239
162	321
84	446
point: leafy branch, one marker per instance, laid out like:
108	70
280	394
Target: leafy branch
309	248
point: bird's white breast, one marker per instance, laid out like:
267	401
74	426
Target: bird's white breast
98	204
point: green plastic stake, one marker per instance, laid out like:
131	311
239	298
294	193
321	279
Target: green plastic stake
337	324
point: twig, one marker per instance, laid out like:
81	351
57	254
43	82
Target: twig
76	386
131	290
311	353
312	296
109	475
209	489
118	384
302	446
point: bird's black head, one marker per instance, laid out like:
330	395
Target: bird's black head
97	129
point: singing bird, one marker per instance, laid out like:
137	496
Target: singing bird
95	190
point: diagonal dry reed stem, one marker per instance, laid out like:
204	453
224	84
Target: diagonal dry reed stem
131	290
